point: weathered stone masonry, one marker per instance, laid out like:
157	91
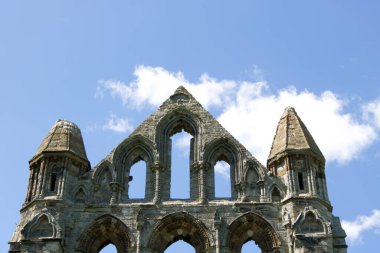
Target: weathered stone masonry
284	207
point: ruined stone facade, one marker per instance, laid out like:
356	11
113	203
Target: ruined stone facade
283	208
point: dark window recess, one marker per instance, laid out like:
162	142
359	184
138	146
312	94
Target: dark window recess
300	181
53	182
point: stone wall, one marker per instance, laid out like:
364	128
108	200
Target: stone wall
284	208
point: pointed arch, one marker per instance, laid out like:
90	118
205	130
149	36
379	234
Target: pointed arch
79	194
104	230
102	177
169	125
132	150
275	192
172	123
252	165
310	221
251	226
311	224
252	176
275	195
222	149
180	226
42	225
103	167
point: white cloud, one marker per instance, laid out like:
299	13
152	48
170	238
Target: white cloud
355	229
251	112
183	141
372	112
120	125
254	116
154	84
223	169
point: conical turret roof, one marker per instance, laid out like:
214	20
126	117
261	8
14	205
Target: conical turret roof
63	136
292	135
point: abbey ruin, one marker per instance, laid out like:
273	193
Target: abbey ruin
283	207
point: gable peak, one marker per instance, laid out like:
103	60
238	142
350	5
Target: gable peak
181	90
181	93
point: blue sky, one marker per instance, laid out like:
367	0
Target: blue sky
107	65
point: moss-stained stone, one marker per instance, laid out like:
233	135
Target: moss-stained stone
284	207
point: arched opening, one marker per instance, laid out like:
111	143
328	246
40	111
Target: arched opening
222	156
222	173
110	248
181	149
180	246
137	180
132	162
179	226
299	168
301	184
276	195
252	226
105	230
250	247
53	182
167	132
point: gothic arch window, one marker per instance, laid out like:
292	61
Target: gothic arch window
300	173
252	190
102	181
311	224
133	160
53	182
221	150
170	125
276	194
102	172
80	196
54	179
41	228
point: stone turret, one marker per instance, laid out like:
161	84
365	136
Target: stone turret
296	158
283	208
297	161
61	151
64	136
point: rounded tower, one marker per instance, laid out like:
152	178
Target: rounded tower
296	158
60	155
